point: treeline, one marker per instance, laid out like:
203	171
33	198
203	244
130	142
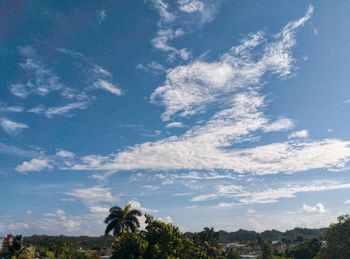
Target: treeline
77	242
270	235
97	243
164	240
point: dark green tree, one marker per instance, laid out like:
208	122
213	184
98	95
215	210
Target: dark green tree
209	239
159	240
129	245
231	253
120	220
12	246
302	251
338	240
266	248
307	250
314	245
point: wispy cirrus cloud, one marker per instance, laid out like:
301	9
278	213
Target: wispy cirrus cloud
101	15
233	84
10	109
41	80
175	124
93	195
66	109
12	127
175	17
16	151
190	6
240	195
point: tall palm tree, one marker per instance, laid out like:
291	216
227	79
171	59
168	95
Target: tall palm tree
120	220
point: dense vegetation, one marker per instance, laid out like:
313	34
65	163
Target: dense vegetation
163	240
84	242
270	235
97	243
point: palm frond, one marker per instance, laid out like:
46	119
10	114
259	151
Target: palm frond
135	212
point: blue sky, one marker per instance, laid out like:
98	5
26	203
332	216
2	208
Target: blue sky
228	114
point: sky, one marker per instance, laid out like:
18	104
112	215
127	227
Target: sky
204	113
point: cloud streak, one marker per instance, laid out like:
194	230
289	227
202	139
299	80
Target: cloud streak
12	127
271	195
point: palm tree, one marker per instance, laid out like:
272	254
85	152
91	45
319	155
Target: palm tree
120	220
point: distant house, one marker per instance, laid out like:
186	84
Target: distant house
247	251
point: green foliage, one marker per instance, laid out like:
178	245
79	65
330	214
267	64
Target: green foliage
67	252
209	239
302	251
163	239
307	250
270	235
266	248
129	245
232	254
49	255
338	239
11	247
120	220
53	243
159	240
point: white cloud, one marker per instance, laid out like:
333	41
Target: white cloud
65	154
60	220
161	42
57	213
12	127
137	205
279	125
93	195
151	187
190	6
192	176
19	90
142	219
99	210
299	134
109	87
192	88
163	9
271	195
59	110
175	125
318	208
226	205
5	108
43	81
232	84
167	220
101	15
154	66
36	164
193	13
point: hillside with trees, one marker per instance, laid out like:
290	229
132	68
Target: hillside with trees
164	240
